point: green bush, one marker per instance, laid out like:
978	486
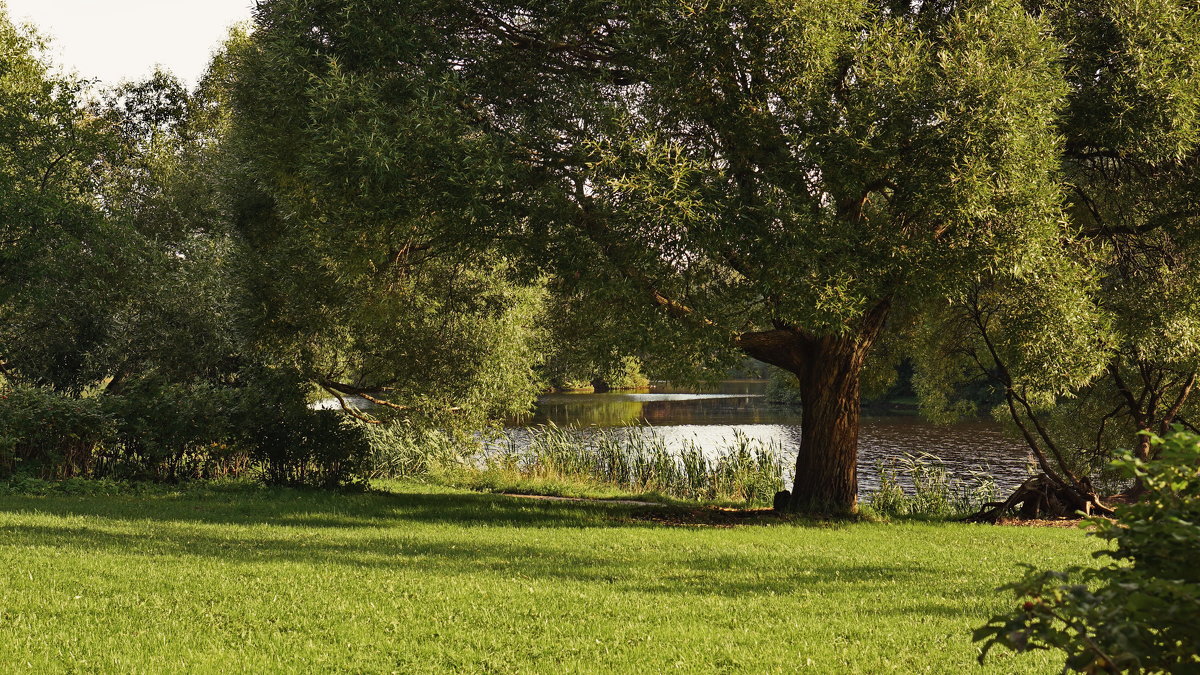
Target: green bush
316	448
180	431
50	435
624	374
292	444
1141	611
172	431
782	388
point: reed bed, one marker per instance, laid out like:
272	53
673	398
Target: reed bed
574	461
921	485
740	470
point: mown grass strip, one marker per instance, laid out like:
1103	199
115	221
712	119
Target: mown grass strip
429	579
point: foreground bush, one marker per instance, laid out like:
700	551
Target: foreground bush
1141	612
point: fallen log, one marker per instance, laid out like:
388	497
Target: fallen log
1041	498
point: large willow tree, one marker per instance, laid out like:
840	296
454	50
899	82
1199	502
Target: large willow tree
778	178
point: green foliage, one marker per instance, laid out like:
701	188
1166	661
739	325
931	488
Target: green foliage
700	182
624	373
60	258
358	209
172	432
883	382
782	388
1140	612
689	175
315	448
294	445
175	431
50	435
566	371
1113	355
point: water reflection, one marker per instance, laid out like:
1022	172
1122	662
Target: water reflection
734	402
710	419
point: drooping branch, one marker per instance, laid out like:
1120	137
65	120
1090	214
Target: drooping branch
1010	396
1078	481
1169	417
368	395
348	409
1134	405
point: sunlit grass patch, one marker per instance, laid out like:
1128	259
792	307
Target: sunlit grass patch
428	579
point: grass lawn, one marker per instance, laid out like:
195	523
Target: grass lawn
427	579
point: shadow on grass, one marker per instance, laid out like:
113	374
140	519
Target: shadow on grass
311	508
493	535
248	504
696	574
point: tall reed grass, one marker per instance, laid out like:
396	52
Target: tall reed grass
636	460
921	485
741	470
400	451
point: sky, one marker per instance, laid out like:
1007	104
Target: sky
118	40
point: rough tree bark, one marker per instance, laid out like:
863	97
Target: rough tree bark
828	370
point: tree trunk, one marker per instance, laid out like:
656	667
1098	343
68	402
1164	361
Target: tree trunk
826	464
828	369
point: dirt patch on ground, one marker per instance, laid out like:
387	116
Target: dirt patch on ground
1060	522
710	517
1017	522
630	502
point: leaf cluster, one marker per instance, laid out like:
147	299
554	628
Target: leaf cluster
1141	611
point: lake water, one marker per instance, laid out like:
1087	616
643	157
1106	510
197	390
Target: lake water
711	419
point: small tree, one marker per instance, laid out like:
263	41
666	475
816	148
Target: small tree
1141	612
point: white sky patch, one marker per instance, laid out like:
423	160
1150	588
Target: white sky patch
116	40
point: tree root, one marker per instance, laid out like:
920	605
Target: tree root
1040	498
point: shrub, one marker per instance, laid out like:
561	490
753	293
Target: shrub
1141	611
173	431
50	435
293	444
782	388
624	374
315	448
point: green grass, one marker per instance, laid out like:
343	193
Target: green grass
429	579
